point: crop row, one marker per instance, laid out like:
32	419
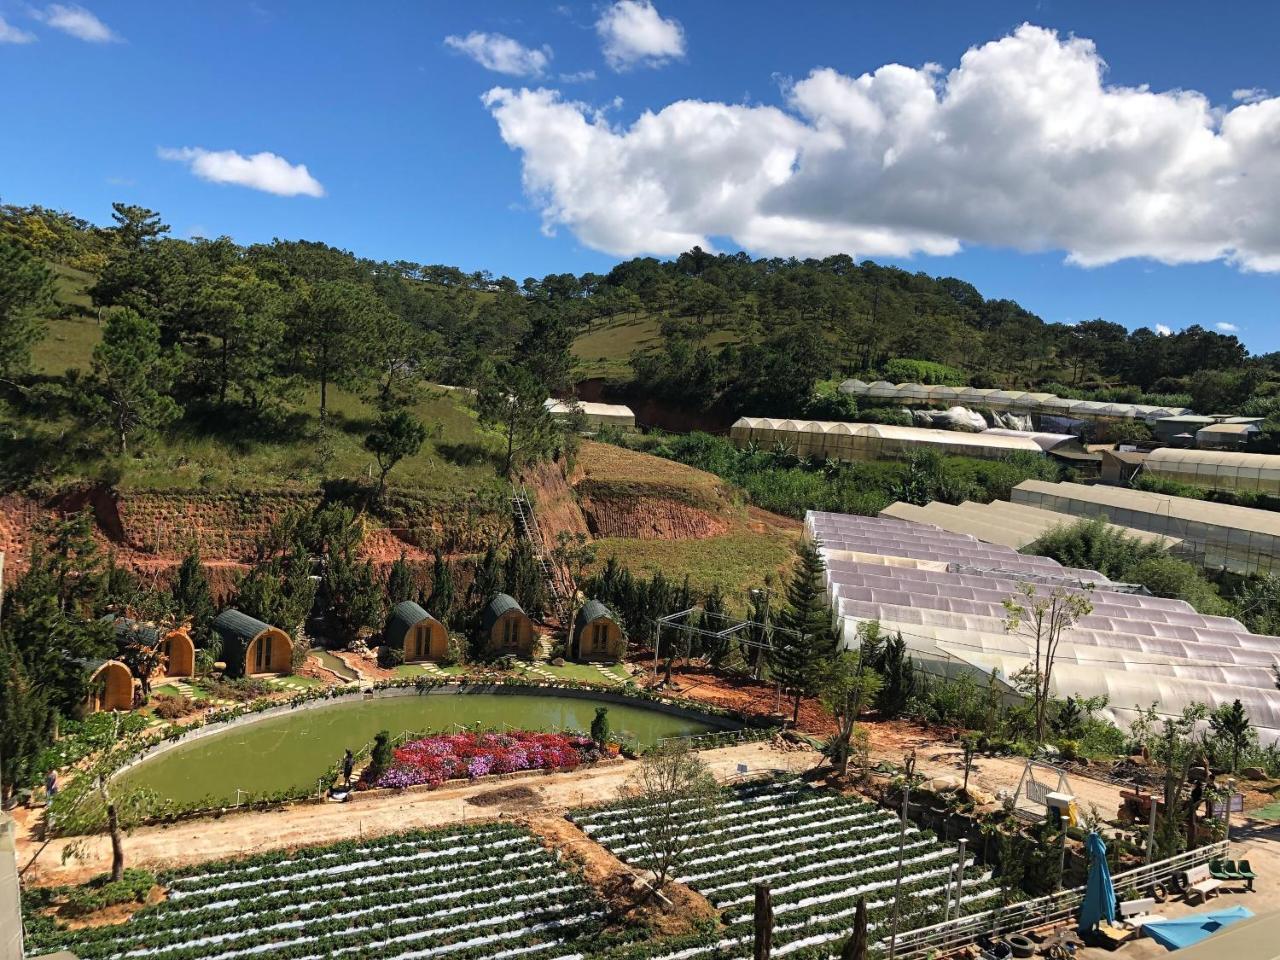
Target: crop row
455	894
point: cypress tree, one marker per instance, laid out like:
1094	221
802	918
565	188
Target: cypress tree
193	600
440	602
400	585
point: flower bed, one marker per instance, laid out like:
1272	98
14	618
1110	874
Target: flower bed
471	755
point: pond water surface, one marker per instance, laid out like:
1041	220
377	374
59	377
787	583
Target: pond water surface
289	752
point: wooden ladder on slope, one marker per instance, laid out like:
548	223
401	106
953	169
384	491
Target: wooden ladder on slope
559	583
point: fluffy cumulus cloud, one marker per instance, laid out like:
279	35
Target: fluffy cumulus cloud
1163	330
633	32
500	53
261	171
11	34
77	21
1250	94
1021	145
1227	327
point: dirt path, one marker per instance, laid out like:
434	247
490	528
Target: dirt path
239	834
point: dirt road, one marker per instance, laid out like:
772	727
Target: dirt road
244	833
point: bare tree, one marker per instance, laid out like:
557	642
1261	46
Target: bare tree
1043	618
671	797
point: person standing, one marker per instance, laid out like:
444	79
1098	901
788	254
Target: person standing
51	784
348	766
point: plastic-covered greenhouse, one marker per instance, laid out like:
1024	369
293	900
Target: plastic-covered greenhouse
1009	524
872	441
1218	469
944	592
1216	535
1010	401
595	414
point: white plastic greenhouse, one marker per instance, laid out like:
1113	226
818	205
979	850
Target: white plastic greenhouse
595	414
873	441
944	592
1215	535
1217	469
1011	401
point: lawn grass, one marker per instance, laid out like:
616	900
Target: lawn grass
419	670
583	672
737	561
605	350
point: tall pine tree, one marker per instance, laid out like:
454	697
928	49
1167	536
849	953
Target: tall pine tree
193	601
400	585
806	641
441	599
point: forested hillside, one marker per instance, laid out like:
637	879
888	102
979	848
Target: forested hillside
135	357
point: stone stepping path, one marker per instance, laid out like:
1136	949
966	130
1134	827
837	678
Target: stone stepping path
285	683
608	674
183	687
537	671
432	669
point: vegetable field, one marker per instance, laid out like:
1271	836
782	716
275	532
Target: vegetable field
489	892
819	851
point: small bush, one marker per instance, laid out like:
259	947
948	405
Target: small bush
455	652
390	657
100	893
168	707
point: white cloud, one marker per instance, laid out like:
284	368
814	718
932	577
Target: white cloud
1022	145
580	76
11	34
1250	94
77	21
1163	331
500	53
262	171
633	32
1226	327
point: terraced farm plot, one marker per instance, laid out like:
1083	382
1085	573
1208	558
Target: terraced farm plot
819	852
489	892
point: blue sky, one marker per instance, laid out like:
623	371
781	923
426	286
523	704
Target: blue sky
388	120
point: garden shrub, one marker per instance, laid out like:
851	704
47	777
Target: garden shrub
169	707
390	657
100	892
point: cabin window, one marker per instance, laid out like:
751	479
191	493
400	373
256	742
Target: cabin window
510	633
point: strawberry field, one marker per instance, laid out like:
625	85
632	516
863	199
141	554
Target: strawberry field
489	892
819	852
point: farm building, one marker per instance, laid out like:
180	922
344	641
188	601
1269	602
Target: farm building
597	635
873	441
1005	401
176	645
505	628
1119	467
1218	469
945	593
1227	435
1216	535
251	647
1008	524
110	686
420	635
595	415
1175	429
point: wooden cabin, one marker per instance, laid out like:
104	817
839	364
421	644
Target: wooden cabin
176	645
505	628
110	686
251	647
420	635
597	635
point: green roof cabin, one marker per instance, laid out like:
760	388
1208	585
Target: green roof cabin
176	645
251	647
597	635
505	629
420	635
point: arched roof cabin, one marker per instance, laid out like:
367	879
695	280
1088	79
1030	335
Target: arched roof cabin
110	686
597	635
411	629
251	647
506	629
176	646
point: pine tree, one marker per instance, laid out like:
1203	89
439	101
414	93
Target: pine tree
806	641
898	671
1230	722
132	375
26	721
486	582
523	578
353	593
193	601
400	585
440	602
714	610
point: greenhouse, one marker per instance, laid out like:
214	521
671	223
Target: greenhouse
595	415
1227	436
1218	469
945	592
1012	401
873	441
1013	525
1216	535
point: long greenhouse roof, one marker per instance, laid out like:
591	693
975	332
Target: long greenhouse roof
879	431
945	592
1231	460
1015	400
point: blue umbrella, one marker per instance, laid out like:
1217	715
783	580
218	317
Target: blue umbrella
1100	895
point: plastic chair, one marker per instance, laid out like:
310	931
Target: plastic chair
1245	872
1220	870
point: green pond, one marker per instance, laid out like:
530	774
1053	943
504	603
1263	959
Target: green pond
289	752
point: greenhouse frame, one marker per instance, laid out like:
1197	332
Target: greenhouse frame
874	441
944	593
595	415
1216	535
1010	401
